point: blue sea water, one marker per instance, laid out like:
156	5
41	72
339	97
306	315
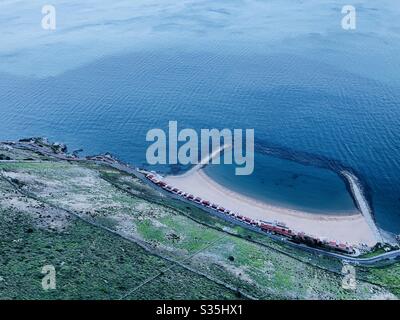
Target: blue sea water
288	183
319	98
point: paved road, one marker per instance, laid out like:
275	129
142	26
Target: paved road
381	259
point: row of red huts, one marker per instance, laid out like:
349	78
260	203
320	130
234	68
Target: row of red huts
270	227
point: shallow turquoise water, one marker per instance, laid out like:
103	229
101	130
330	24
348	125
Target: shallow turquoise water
286	183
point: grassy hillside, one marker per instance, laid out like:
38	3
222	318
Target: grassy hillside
111	236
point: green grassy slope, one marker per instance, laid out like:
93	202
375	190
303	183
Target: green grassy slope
111	236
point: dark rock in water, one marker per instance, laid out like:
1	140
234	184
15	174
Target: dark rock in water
59	147
231	258
109	155
37	140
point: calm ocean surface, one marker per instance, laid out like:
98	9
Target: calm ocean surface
319	100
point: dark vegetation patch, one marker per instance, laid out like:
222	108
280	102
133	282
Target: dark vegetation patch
90	264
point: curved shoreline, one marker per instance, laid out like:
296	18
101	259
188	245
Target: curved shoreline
296	209
263	204
352	228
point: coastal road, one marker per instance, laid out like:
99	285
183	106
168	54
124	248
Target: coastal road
378	260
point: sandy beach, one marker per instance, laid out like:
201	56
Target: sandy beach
352	228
